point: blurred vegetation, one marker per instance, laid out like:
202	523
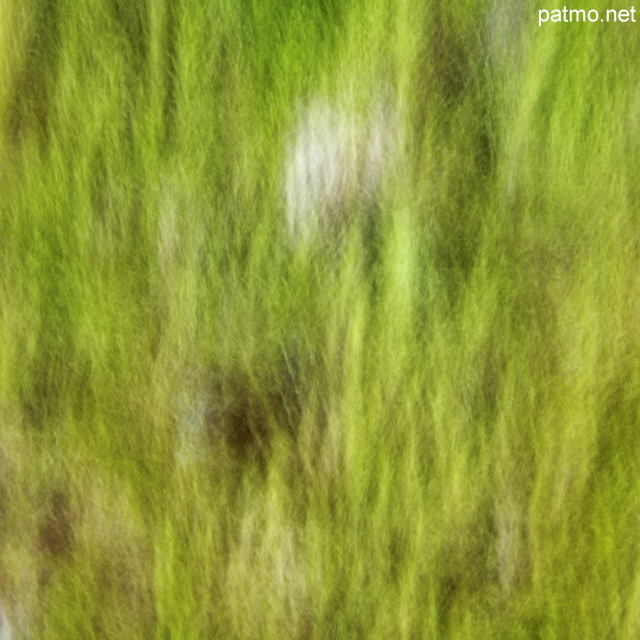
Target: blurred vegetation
206	432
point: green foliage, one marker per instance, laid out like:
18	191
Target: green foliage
423	428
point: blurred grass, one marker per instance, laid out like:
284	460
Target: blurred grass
205	433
